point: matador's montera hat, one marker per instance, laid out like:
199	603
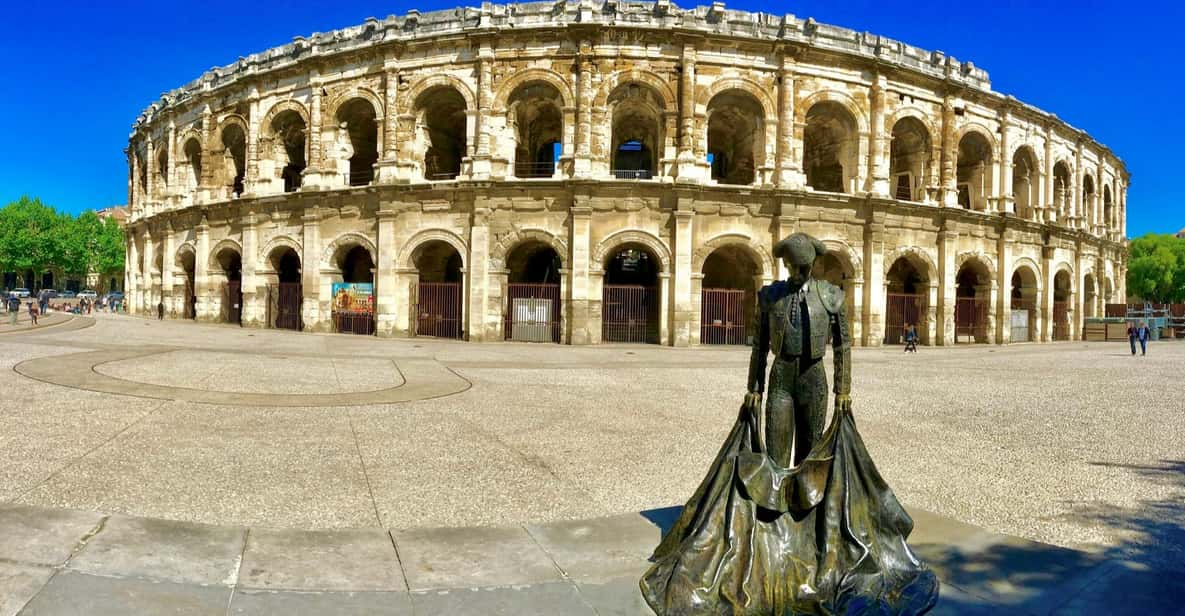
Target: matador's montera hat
801	248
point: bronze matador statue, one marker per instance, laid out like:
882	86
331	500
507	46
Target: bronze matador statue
799	522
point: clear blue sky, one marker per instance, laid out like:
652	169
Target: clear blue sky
76	74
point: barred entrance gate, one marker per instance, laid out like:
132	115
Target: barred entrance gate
283	304
438	309
354	322
902	309
971	315
724	316
532	312
189	307
232	301
629	313
1061	321
1023	325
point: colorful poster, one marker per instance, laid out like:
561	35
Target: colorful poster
354	297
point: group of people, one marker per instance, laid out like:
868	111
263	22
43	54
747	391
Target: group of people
1138	332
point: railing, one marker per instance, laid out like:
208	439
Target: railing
361	178
542	169
444	175
632	174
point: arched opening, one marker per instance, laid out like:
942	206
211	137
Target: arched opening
439	297
230	271
907	298
829	148
909	159
538	129
441	132
1061	305
193	164
728	294
288	147
1089	296
973	287
285	291
142	166
974	171
533	308
162	169
356	144
1061	190
1023	305
186	260
353	291
1090	213
1108	221
630	300
637	139
1026	179
736	137
234	158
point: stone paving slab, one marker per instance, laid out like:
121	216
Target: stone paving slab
43	536
20	583
344	560
549	599
71	593
163	550
288	603
470	557
602	549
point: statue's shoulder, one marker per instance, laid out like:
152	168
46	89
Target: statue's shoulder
773	292
832	296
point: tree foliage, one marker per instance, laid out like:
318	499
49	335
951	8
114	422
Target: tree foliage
1156	268
36	237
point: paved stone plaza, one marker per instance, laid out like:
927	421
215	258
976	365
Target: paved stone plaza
146	461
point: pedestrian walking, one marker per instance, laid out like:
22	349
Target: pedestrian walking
911	338
160	311
1131	336
33	312
14	309
1142	334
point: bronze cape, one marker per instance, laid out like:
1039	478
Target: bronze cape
825	537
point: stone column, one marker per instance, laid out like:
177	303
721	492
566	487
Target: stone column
310	263
1076	215
580	324
386	307
171	187
1046	308
664	309
150	173
878	160
950	189
150	274
1003	288
251	173
480	167
582	165
205	182
312	173
254	311
168	295
684	313
203	308
873	305
1004	198
688	168
945	287
478	263
788	175
1048	199
131	279
386	168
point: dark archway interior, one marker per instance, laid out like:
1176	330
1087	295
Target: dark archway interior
289	129
358	116
632	265
438	261
539	126
286	263
1025	181
636	131
970	276
1061	287
904	277
534	263
730	267
830	268
162	165
193	156
909	158
231	264
975	154
357	266
735	138
443	115
827	146
235	144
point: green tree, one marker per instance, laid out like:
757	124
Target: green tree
29	236
1156	268
109	249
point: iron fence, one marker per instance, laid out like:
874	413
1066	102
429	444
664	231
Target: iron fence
724	316
971	319
629	313
532	312
438	309
902	309
1061	321
284	303
632	174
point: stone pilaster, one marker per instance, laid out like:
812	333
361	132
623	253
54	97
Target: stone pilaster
170	172
132	278
1001	288
1046	307
478	264
205	308
788	175
254	309
481	164
688	168
579	325
950	189
1077	219
386	169
311	314
945	290
1005	202
168	293
311	176
251	174
684	314
873	304
878	141
1048	199
385	289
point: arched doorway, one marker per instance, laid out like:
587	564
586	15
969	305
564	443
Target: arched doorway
288	147
534	110
630	301
974	171
438	298
285	292
637	139
727	296
1023	305
736	137
909	159
1061	306
441	132
186	261
973	289
1026	181
906	300
533	308
230	264
830	148
353	293
356	146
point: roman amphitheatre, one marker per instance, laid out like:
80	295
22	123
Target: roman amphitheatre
582	173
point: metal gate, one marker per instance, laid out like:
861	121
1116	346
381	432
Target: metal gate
232	301
902	309
283	305
1024	320
971	318
1061	321
189	308
354	322
532	312
629	313
724	316
438	309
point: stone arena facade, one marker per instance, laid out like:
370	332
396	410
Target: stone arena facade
583	172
